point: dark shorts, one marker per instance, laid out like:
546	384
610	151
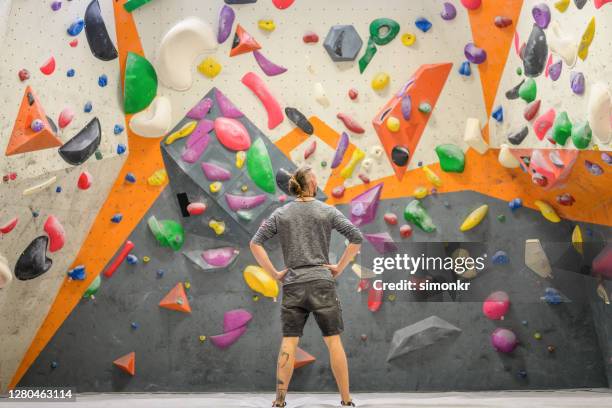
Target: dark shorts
318	297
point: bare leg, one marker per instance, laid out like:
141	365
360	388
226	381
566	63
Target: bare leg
339	365
284	367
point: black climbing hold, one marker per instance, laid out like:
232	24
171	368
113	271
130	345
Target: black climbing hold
33	261
580	4
282	180
31	99
100	43
518	137
52	124
536	52
514	92
299	120
400	155
78	149
183	202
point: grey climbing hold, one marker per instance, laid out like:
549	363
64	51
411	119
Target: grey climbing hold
420	335
518	137
282	180
514	92
78	149
536	52
342	43
33	261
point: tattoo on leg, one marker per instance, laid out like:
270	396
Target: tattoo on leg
284	355
279	382
280	395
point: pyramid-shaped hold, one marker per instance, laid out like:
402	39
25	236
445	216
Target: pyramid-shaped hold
243	42
27	137
302	358
382	242
554	164
176	299
127	363
420	335
364	206
424	87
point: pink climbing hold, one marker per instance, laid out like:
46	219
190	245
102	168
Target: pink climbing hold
227	339
310	150
600	3
65	118
238	202
196	208
543	124
48	67
364	206
200	110
197	142
350	123
282	4
382	242
271	105
338	191
232	134
85	181
496	305
471	4
235	319
548	64
56	233
226	107
8	226
214	172
220	257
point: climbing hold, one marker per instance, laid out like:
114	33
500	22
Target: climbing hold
528	90
562	129
471	4
350	123
531	110
268	67
474	218
219	257
121	148
226	20
302	358
338	191
239	202
125	251
215	187
420	192
554	70
408	39
473	136
217	226
543	124
420	335
200	110
155	121
70	73
502	21
586	40
536	259
496	305
259	88
547	211
405	231
77	273
504	340
93	288
541	15
132	259
364	178
118	129
259	281
226	107
99	41
116	219
500	258
400	155
266	25
243	42
127	363
37	125
56	233
23	74
196	208
179	48
498	114
515	204
282	4
452	159
39	187
232	134
423	24
581	135
342	43
561	44
416	213
390	218
425	107
215	172
198	141
599	3
33	261
577	82
363	208
565	199
380	81
382	242
593	168
474	54
464	68
227	339
240	159
9	225
56	5
184	131
310	149
393	124
78	149
577	240
140	83
85	180
168	233
65	118
209	67
176	299
432	176
310	37
76	27
259	166
599	109
299	120
87	107
535	53
102	80
449	12
357	156
321	95
562	5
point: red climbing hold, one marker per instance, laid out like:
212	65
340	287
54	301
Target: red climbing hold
8	227
176	299
85	180
375	297
65	118
390	218
48	67
74	43
302	358
24	74
405	231
56	233
471	4
282	4
196	208
127	363
110	270
353	94
310	37
600	3
310	150
350	123
542	124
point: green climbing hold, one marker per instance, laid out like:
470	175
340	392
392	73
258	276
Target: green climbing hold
501	218
425	107
168	233
528	90
519	71
581	135
562	129
367	56
383	30
93	288
260	167
452	159
139	85
416	214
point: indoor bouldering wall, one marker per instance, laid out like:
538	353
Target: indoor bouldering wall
411	117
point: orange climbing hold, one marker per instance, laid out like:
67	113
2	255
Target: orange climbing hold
176	299
26	137
127	363
243	42
302	358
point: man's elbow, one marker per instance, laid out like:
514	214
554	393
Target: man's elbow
254	246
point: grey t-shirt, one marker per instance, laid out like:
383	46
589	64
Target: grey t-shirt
304	229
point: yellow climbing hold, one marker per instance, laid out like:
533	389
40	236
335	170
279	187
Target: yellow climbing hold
380	81
562	5
408	39
474	218
577	239
266	25
432	177
187	285
420	192
209	67
587	39
158	178
240	159
182	132
547	211
202	338
347	171
217	226
393	124
244	188
259	281
215	187
146	259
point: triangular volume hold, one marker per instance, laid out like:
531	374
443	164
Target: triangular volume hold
243	42
303	358
176	299
127	363
32	130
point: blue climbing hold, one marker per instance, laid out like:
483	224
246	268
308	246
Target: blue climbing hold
498	114
423	24
130	178
553	297
70	73
522	374
121	148
118	129
76	27
88	107
515	204
54	365
77	273
117	218
160	273
132	259
465	68
58	189
35	213
134	325
500	258
103	80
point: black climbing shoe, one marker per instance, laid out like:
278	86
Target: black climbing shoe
347	404
277	404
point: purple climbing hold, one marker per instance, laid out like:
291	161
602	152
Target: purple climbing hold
37	125
606	158
474	54
214	172
449	12
200	110
235	319
238	202
364	206
593	168
554	71
56	5
382	242
541	15
268	67
219	257
226	20
577	83
406	107
197	142
340	150
227	108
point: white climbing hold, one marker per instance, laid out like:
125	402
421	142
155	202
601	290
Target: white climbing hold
5	273
506	158
473	136
321	95
179	49
376	152
600	111
536	259
561	44
39	187
366	165
155	121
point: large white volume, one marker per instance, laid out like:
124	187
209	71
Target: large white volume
473	136
155	121
599	112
